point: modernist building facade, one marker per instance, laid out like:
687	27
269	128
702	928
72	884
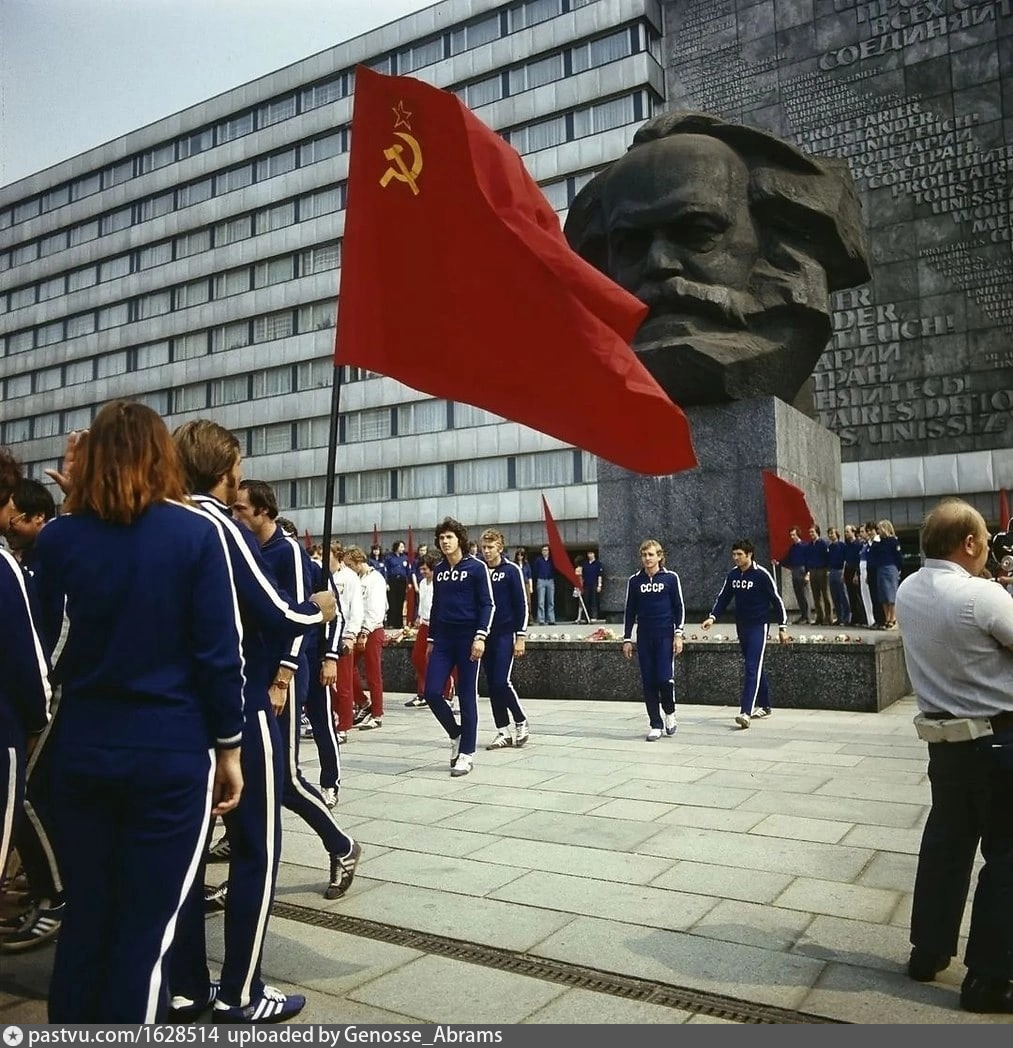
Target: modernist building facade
194	264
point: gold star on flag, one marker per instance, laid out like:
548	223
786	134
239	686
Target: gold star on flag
401	116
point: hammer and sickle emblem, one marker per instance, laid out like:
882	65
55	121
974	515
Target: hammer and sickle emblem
399	169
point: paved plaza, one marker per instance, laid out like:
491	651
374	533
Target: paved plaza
722	875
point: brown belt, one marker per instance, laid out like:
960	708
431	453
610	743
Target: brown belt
999	721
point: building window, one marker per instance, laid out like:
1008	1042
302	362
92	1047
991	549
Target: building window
373	424
322	148
314	374
317	316
155	255
322	94
535	74
17	430
158	400
543	135
275	325
478	476
232	390
419	55
601	51
113	176
51	244
155	207
271	440
79	371
557	195
545	469
191	145
47	379
273	112
47	425
110	364
271	218
424	416
312	432
194	193
18	386
187	347
193	243
321	258
25	253
48	334
233	230
237	178
82	324
322	203
160	156
235	128
23	296
276	164
116	221
86	185
78	279
26	209
153	305
234	282
231	336
309	491
371	486
56	198
84	232
274	382
484	91
112	268
196	293
277	271
150	355
416	482
113	316
604	116
466	37
76	419
20	342
190	398
533	12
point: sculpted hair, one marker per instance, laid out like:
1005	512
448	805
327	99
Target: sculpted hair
10	475
206	450
126	462
33	499
947	525
449	524
261	496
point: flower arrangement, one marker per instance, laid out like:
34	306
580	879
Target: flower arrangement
602	634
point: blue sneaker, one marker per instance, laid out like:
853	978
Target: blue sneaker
188	1009
271	1007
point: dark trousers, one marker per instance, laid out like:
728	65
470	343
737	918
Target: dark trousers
972	783
130	827
318	710
397	587
753	645
819	585
33	828
450	651
498	662
254	831
839	594
852	584
657	673
12	770
798	584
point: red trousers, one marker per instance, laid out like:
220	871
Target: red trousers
341	695
369	659
420	659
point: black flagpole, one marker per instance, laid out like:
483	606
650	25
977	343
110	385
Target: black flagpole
332	460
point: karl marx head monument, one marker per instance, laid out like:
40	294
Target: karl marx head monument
735	239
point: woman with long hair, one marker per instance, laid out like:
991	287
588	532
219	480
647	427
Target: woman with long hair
889	561
146	740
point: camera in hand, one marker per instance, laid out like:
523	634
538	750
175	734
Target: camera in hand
1001	547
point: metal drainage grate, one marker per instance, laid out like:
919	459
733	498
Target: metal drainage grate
698	1002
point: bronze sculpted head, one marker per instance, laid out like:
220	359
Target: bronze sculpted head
735	239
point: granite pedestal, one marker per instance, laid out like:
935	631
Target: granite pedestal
697	514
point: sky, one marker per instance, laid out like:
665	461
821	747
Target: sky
77	73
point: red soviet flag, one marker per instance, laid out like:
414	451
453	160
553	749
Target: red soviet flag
456	279
1003	510
557	551
786	509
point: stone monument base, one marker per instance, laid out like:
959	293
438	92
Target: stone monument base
697	514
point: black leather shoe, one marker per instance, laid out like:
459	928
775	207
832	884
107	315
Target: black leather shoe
979	994
924	966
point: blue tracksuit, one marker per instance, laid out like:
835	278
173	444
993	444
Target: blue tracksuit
754	593
254	827
463	608
285	558
510	621
152	677
654	604
24	691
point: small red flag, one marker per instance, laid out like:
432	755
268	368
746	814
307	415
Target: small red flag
1003	510
786	509
307	539
376	535
450	245
410	595
557	551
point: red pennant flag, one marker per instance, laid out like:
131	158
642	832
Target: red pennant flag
376	536
1003	510
307	539
786	509
449	244
410	594
557	551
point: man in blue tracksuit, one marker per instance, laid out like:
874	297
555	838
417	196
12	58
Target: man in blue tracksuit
795	562
654	604
459	624
256	507
505	641
210	455
544	574
753	590
817	562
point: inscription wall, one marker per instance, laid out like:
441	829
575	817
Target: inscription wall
917	96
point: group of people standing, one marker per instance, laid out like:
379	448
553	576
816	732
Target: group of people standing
852	579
